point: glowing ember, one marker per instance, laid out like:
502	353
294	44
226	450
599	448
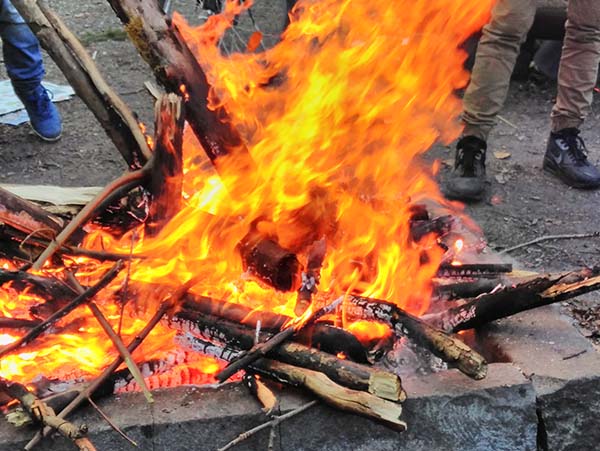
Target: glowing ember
366	88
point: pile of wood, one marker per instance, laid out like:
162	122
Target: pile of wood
308	351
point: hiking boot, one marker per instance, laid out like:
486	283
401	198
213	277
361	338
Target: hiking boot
43	115
566	158
467	181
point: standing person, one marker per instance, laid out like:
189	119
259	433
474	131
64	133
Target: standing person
23	61
494	62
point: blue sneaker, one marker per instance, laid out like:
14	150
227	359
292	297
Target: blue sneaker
43	116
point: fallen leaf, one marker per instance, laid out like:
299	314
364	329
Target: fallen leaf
501	155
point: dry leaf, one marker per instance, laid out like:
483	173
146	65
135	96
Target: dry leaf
501	155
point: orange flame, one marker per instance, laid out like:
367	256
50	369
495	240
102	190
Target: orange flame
364	88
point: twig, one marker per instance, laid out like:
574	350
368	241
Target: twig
550	238
110	423
165	306
273	423
129	179
133	368
85	296
261	349
507	122
40	411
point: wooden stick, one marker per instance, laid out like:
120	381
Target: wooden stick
82	298
261	349
17	323
448	348
167	174
43	413
176	68
273	423
540	239
110	423
125	354
111	191
225	340
343	398
114	116
510	300
165	306
26	216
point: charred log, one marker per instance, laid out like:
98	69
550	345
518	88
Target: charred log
533	293
474	270
161	45
167	171
232	339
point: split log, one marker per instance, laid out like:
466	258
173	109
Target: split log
28	217
161	45
450	349
358	402
532	293
114	115
231	339
44	414
167	171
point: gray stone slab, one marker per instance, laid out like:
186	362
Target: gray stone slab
445	412
564	369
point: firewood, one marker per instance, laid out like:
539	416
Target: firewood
531	293
17	323
82	298
167	172
27	217
261	349
450	349
343	398
225	340
161	45
44	414
114	115
165	306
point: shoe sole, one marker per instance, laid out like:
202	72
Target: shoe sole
45	138
551	169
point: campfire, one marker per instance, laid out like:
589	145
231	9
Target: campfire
278	225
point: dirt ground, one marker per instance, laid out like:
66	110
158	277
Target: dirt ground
524	202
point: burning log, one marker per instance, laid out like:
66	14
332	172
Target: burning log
261	349
17	323
84	297
114	116
161	45
510	300
48	287
232	338
450	349
311	277
269	262
167	170
44	414
474	269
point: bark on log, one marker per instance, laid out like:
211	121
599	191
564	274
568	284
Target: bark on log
532	293
167	171
28	217
114	115
232	338
161	45
450	349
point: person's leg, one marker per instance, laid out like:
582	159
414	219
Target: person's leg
25	68
577	76
487	90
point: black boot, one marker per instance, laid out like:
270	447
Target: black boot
467	181
566	158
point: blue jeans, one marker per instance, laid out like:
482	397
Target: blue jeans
21	49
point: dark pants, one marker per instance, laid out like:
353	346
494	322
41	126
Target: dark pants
21	49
